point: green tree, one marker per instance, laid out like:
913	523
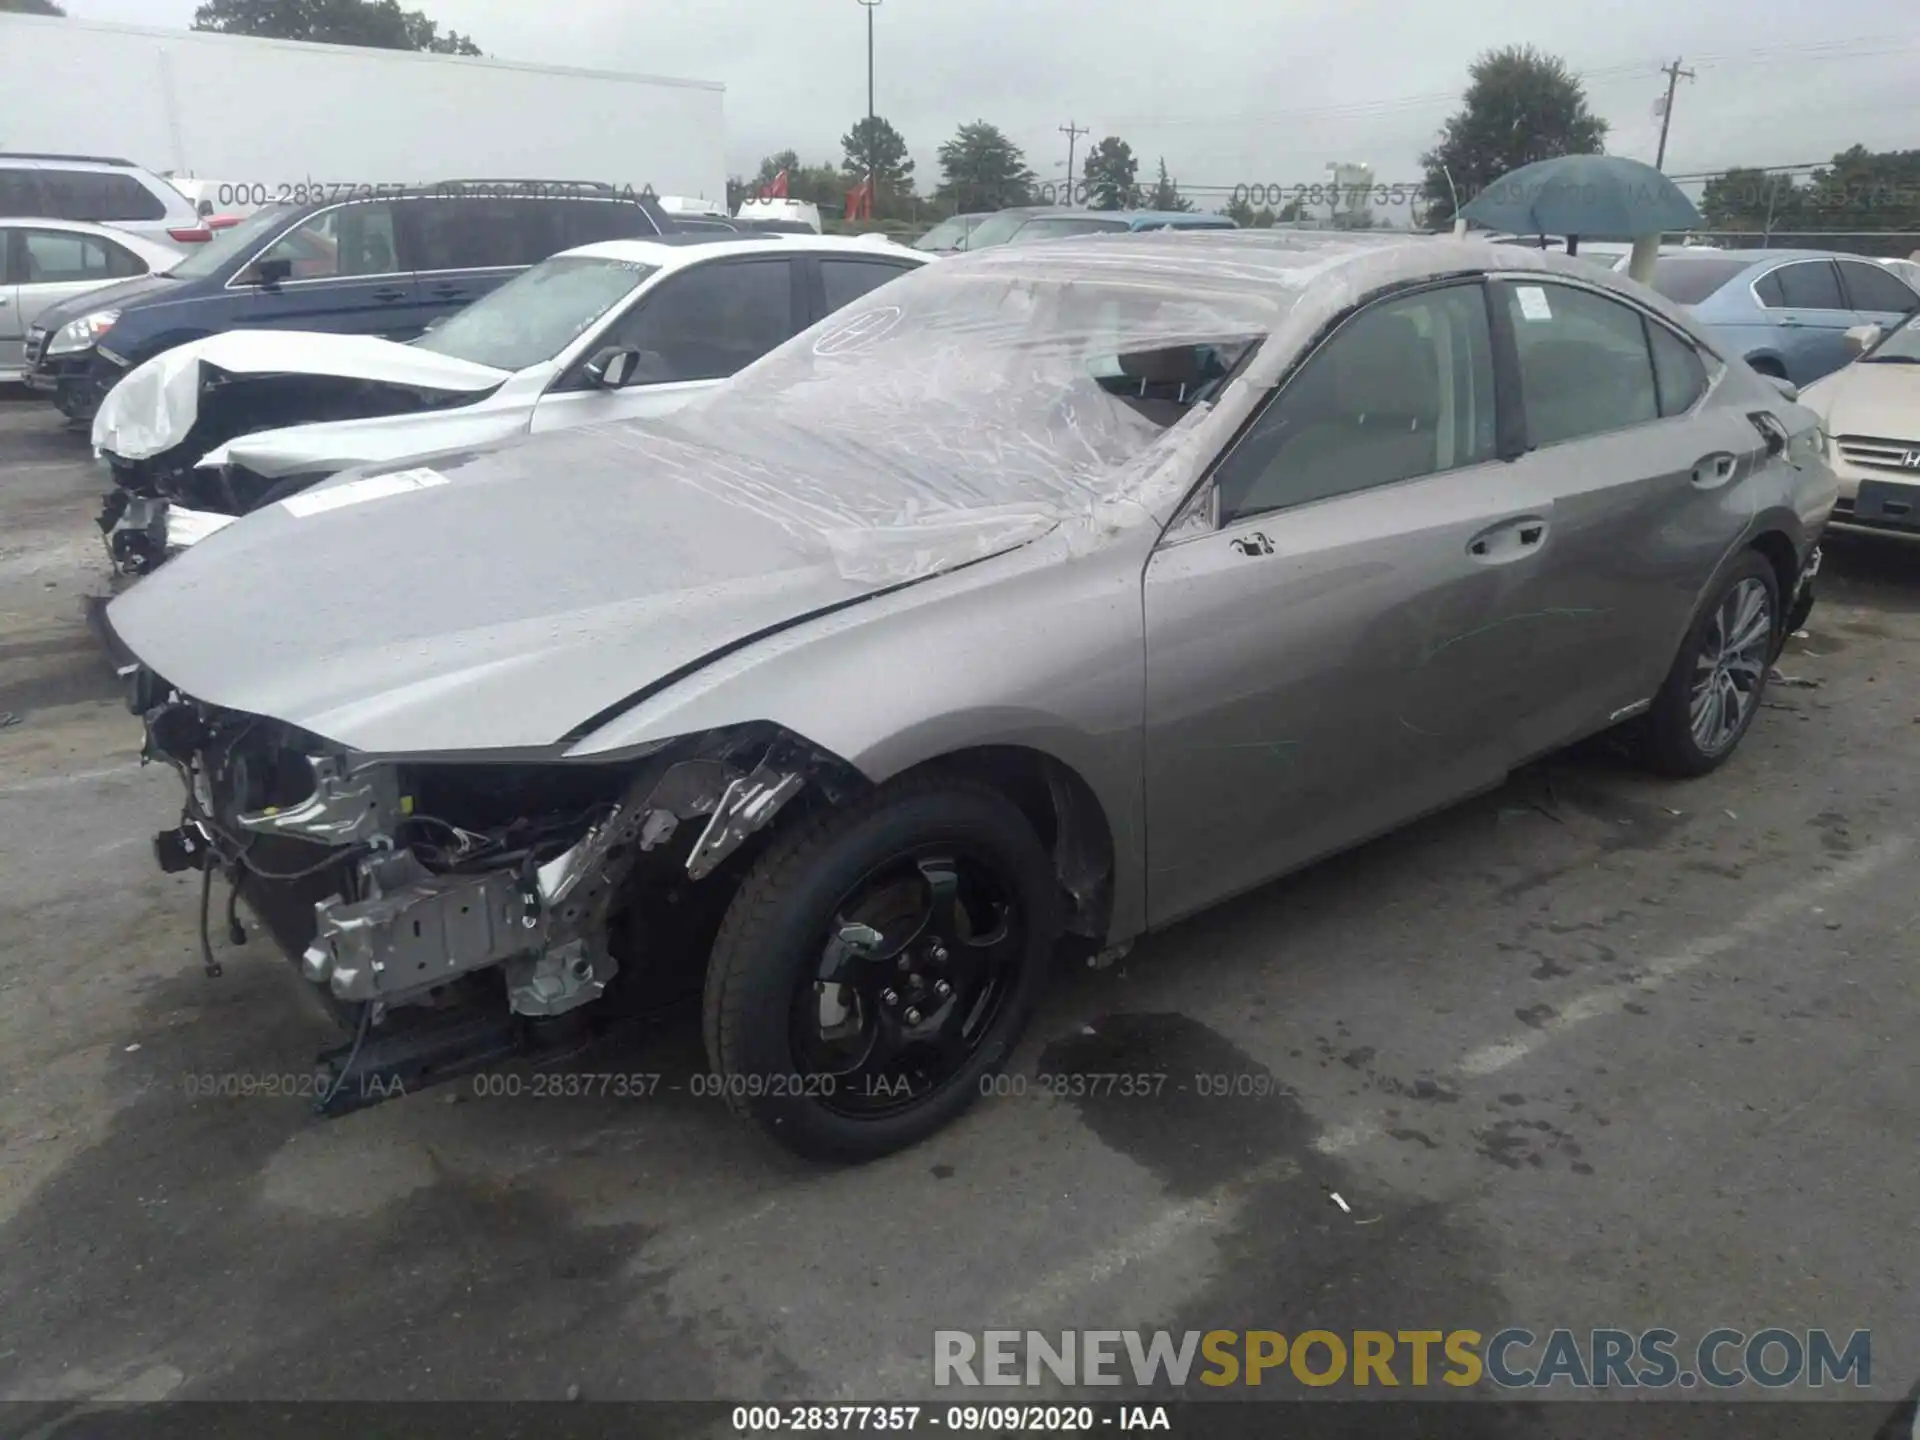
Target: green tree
1240	210
30	7
981	169
1110	173
1264	218
379	24
873	143
1292	210
1520	106
1742	199
770	168
1166	194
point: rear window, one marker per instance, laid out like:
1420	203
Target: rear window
97	195
1688	279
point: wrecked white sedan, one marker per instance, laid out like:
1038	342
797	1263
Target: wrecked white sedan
216	428
1050	591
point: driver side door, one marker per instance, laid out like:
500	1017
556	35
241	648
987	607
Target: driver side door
1332	648
693	328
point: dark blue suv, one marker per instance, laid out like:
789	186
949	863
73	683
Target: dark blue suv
385	264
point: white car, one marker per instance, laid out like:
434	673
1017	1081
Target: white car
1870	410
44	263
618	330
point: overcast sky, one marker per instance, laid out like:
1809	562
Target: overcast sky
1254	91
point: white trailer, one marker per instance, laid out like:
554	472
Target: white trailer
276	115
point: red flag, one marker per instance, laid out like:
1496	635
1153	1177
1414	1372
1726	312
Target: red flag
777	190
860	201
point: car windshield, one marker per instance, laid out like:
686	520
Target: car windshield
1901	347
997	228
537	314
969	393
1052	227
233	242
1689	279
945	236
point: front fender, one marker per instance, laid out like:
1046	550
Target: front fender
1038	649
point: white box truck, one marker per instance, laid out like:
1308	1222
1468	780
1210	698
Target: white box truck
257	119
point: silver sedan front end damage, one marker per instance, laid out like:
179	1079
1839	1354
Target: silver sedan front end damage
421	878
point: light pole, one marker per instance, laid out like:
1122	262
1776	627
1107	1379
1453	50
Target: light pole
870	6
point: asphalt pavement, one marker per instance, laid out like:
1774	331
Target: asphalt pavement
1592	1051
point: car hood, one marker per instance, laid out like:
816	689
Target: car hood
107	297
157	403
1869	398
491	600
342	444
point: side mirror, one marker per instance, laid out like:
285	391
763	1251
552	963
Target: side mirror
1785	386
270	272
1862	338
613	368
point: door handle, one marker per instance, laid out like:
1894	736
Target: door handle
1789	324
1509	540
449	291
1254	544
1712	471
389	292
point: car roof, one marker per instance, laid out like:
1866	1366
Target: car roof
670	251
31	160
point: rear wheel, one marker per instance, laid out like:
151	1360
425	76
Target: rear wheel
877	965
1766	365
1719	679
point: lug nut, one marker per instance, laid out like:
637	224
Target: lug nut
942	989
890	997
939	953
913	1016
915	981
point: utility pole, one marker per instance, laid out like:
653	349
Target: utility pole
1073	132
870	6
1674	76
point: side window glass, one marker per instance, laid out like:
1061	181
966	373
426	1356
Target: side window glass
479	233
123	261
1584	364
587	222
344	241
1810	285
54	258
845	281
127	199
1769	289
1678	370
68	195
1402	390
20	193
709	321
1870	287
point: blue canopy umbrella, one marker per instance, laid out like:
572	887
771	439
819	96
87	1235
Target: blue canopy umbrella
1599	197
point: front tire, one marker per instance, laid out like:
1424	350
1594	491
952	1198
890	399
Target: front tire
1719	679
878	964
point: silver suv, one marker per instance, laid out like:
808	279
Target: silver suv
101	189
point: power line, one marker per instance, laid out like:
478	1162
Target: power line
1841	49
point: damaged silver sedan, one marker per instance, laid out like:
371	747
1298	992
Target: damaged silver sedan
1036	600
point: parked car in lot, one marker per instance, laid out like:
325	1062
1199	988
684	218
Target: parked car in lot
1300	537
950	234
1785	312
100	189
1871	411
45	263
622	329
387	265
1022	225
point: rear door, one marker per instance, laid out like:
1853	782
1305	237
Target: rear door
1876	294
1810	317
1339	645
461	248
1646	489
693	328
347	276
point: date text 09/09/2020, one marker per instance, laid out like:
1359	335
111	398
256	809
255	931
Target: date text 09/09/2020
964	1419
